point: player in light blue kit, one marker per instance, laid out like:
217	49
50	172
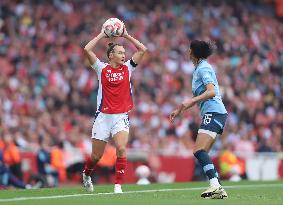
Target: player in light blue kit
206	94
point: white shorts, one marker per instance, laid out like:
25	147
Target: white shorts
106	125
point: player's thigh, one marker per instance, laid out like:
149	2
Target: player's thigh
101	128
121	139
120	130
212	125
98	147
203	142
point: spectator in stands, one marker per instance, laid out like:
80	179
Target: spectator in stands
11	156
43	164
231	167
7	178
57	161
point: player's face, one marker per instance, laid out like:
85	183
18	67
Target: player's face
118	55
191	55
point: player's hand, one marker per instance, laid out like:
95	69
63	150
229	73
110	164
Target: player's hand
103	34
125	34
174	114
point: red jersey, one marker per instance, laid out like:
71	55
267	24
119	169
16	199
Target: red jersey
114	91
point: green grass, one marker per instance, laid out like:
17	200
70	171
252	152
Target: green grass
244	192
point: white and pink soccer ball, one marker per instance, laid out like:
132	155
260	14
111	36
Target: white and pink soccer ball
113	27
142	172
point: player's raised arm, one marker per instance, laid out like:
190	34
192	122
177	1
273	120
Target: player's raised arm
90	46
141	48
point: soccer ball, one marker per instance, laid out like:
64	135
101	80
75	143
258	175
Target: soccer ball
142	171
113	27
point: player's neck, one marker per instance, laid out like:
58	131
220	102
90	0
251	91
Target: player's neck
195	61
114	65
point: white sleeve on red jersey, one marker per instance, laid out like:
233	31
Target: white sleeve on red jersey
98	66
131	65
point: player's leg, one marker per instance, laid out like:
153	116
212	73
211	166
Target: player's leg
202	146
98	147
211	126
121	140
100	136
120	136
217	175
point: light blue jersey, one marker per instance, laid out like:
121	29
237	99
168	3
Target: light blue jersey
203	75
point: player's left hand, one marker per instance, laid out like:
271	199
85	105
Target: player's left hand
125	34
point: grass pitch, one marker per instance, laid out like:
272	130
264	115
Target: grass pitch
245	192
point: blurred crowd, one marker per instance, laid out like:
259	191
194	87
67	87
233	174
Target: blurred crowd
48	91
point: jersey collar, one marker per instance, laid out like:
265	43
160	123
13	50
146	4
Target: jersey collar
200	62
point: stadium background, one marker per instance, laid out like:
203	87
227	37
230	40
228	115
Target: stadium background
48	92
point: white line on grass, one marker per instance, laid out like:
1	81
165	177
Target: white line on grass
140	191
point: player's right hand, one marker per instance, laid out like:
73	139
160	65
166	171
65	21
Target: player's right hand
173	115
103	34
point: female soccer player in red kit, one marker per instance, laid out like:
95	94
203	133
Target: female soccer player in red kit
114	101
